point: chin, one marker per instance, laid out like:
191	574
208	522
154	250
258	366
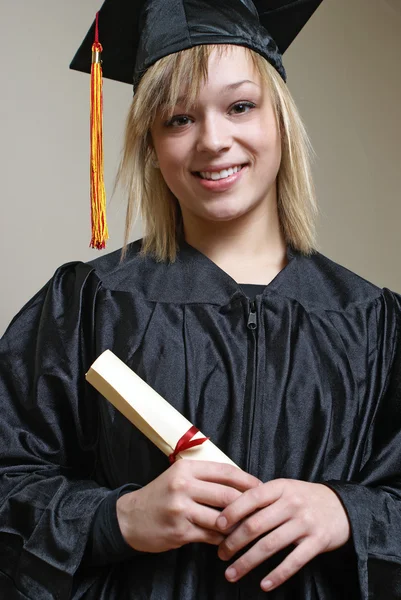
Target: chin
225	218
226	214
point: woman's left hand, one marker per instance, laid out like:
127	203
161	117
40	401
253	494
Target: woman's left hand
309	515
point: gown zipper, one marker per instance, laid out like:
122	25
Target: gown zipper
252	325
250	399
252	317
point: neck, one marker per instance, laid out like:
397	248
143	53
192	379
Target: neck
251	248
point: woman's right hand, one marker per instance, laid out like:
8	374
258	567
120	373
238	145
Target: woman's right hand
176	508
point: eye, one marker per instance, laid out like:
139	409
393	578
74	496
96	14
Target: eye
242	107
178	121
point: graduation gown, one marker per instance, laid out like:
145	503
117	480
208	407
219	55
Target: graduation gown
304	383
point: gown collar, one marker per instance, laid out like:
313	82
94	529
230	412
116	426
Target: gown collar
195	278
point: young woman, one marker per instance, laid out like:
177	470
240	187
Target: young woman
290	363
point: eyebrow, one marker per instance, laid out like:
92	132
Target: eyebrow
226	88
237	84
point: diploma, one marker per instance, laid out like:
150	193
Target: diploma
162	424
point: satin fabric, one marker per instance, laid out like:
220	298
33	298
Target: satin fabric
312	393
136	33
169	27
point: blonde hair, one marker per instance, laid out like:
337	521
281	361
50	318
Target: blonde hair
148	194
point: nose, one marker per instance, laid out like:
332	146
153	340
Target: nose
214	135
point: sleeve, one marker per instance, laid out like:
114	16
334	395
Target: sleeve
48	430
106	543
373	502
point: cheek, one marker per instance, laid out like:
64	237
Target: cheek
172	149
172	168
173	162
263	137
269	148
165	155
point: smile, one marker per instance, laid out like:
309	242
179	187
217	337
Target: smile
216	175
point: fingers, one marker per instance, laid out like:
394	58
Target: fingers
262	521
294	512
206	536
249	502
277	540
221	473
205	517
213	494
201	526
304	553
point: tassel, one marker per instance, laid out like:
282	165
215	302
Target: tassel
98	194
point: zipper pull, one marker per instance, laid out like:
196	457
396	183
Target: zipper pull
252	318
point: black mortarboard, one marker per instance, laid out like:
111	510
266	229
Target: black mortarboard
136	33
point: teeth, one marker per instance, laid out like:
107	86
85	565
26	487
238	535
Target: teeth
215	176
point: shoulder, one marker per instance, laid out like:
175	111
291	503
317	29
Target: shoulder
338	285
320	283
109	265
362	313
73	287
124	274
110	271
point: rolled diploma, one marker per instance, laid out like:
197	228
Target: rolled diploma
146	409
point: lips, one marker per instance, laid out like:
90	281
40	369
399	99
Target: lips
222	184
220	172
217	175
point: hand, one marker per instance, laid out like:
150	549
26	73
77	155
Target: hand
309	515
176	508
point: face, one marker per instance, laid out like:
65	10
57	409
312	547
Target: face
221	157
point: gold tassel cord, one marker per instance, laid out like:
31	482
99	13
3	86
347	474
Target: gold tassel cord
98	193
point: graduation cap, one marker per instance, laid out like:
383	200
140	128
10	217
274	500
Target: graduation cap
129	36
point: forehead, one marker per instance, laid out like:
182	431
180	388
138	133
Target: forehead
230	56
227	66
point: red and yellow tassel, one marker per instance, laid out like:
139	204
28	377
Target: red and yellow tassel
98	194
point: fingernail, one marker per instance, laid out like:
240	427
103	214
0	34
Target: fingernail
231	573
266	585
221	522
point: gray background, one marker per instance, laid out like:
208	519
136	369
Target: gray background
343	70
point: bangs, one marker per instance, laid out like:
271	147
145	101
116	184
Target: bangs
178	78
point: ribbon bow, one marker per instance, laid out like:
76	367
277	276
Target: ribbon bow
186	442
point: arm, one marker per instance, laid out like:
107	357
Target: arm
47	436
373	502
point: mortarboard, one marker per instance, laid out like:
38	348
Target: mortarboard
137	33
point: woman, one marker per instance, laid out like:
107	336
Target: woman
290	363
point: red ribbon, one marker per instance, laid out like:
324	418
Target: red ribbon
186	442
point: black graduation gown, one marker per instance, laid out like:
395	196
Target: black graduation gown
313	393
